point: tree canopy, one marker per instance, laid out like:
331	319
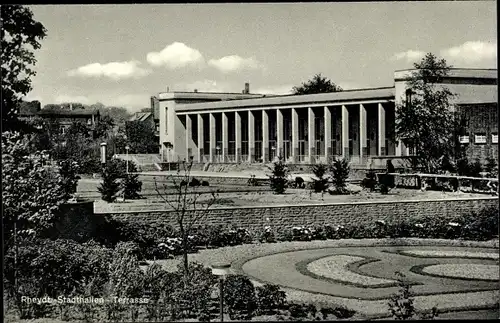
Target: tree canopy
21	35
318	84
426	119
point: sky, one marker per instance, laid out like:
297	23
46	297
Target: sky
121	55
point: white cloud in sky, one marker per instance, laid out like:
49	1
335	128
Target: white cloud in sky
471	52
176	55
113	70
235	63
409	55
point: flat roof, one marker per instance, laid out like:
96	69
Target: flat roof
205	96
342	96
401	75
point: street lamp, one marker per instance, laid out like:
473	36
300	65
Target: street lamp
103	154
126	149
221	270
218	154
274	152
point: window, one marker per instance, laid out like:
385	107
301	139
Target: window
408	97
463	139
480	138
494	138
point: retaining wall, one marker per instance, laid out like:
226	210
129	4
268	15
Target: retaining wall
287	216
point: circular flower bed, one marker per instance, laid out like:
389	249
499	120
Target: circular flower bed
466	271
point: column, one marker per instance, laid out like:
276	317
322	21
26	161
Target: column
280	151
213	151
295	135
225	138
237	135
201	139
189	135
265	136
345	132
251	136
328	133
311	135
381	130
363	144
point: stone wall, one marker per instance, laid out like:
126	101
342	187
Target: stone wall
286	216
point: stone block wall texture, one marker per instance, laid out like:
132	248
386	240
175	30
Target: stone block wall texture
280	217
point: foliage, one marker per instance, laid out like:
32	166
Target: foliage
318	84
401	303
279	175
110	186
427	121
21	35
252	181
131	184
269	299
370	181
189	205
239	295
52	268
141	137
104	127
339	169
491	167
32	191
321	183
68	169
267	235
482	225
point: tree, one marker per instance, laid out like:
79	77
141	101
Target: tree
110	185
320	183
130	184
318	84
141	137
104	127
426	120
188	204
339	169
20	37
32	191
278	178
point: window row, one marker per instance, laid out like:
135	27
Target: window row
479	138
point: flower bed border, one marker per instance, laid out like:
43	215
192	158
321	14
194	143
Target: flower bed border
419	270
403	253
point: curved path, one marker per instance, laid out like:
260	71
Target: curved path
295	267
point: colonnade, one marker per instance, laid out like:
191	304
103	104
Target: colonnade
300	135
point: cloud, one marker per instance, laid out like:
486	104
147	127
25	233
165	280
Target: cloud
471	52
113	70
409	55
235	63
176	55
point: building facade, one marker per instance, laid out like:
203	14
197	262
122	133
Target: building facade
354	124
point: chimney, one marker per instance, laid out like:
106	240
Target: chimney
195	90
71	107
247	88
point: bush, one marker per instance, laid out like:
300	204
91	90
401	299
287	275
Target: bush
279	177
205	183
270	299
68	169
110	186
481	226
320	184
130	184
239	295
194	182
339	169
370	181
267	236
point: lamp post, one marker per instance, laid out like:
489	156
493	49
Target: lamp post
103	155
221	270
218	153
127	149
273	149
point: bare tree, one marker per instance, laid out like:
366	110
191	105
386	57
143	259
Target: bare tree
187	201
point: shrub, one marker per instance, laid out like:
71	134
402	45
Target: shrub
239	295
491	167
205	183
131	184
384	189
194	182
320	184
267	235
270	299
68	169
252	181
481	226
110	186
339	169
370	181
279	177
